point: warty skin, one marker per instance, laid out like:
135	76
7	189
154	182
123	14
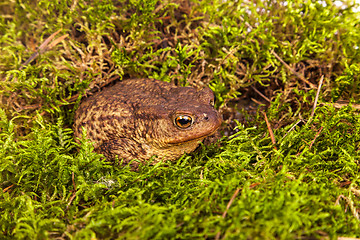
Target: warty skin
140	118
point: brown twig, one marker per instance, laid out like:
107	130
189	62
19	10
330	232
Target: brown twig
70	200
270	130
313	141
230	202
256	101
7	188
262	95
74	191
254	185
317	134
227	208
73	180
301	77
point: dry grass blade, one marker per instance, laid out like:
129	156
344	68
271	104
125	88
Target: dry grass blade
317	134
44	46
270	130
313	141
228	207
56	41
351	205
230	202
74	191
317	96
348	238
342	103
292	70
292	128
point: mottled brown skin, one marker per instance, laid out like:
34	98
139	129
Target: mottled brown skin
134	119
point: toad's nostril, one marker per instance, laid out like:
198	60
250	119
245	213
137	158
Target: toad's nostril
206	116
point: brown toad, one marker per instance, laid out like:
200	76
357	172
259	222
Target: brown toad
139	118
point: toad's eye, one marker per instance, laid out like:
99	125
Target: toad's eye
183	121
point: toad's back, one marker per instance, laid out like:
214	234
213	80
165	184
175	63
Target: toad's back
139	118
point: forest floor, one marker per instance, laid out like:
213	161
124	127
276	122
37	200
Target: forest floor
285	75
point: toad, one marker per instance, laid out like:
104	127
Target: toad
141	118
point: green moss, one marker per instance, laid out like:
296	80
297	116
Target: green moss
303	186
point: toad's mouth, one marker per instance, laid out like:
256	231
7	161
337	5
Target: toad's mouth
194	137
